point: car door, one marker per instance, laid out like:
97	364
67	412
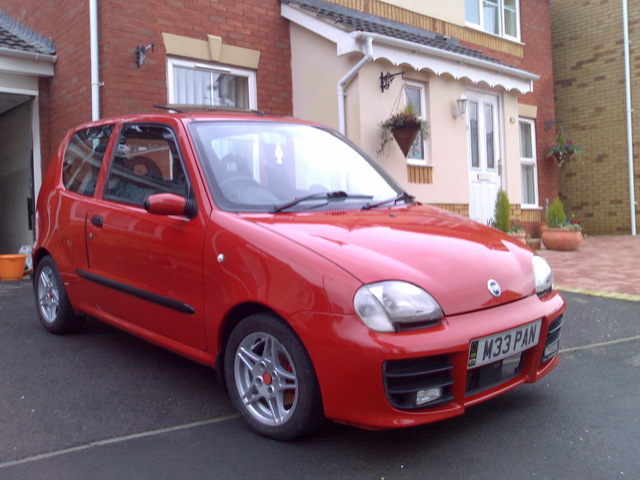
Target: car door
147	268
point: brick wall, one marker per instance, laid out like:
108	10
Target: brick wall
124	24
590	98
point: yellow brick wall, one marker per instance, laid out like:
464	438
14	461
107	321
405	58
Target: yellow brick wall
588	70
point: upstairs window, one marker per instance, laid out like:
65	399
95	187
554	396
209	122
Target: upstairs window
210	84
498	17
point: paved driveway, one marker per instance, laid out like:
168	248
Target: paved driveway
101	404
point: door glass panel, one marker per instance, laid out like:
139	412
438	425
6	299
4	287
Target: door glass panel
83	158
147	161
489	136
473	134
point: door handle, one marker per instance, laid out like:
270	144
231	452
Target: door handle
97	220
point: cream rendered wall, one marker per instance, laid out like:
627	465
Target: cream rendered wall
451	11
316	71
512	173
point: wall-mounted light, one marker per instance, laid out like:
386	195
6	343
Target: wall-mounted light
141	53
461	106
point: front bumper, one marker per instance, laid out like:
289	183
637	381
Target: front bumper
369	379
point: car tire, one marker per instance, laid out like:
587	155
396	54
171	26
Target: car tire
54	310
271	380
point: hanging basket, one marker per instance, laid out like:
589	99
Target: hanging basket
12	267
405	136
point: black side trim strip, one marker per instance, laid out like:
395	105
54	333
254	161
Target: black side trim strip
137	292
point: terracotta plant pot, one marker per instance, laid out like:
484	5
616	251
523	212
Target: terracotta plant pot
405	137
561	239
12	267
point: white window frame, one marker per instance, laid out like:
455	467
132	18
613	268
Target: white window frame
529	162
422	88
250	75
501	12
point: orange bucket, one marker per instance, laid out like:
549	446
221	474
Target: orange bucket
12	267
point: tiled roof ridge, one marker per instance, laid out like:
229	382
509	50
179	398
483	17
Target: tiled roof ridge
369	23
17	36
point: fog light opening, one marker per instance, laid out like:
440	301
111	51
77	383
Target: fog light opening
428	395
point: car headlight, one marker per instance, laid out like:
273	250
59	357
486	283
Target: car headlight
542	274
392	306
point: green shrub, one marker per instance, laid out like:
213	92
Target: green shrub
555	214
502	212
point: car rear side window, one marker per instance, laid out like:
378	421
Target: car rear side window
83	158
146	161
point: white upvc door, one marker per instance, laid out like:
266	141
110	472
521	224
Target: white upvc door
485	155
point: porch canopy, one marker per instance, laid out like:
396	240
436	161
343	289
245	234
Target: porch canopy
357	32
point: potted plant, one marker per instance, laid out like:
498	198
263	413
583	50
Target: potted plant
404	127
561	234
502	218
564	150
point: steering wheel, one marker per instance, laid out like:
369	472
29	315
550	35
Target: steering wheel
238	181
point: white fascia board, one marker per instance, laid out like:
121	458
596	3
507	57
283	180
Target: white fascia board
26	63
416	55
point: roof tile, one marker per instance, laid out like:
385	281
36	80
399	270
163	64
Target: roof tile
17	36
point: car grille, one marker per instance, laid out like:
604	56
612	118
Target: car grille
492	374
403	379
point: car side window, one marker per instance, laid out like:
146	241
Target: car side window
83	159
147	160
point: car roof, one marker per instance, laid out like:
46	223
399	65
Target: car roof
193	113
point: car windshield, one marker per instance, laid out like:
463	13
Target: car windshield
260	166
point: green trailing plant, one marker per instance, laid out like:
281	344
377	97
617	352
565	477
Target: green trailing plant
502	212
407	117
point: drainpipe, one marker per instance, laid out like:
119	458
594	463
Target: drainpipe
344	81
95	79
627	75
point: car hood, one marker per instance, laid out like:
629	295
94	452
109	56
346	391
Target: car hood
450	256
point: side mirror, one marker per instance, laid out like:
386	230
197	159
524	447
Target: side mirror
170	204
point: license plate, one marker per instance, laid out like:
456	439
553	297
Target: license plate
504	344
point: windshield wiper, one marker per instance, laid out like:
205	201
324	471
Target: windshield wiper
401	196
336	195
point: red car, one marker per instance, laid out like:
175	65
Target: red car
275	251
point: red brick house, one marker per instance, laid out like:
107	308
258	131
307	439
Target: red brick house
94	59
